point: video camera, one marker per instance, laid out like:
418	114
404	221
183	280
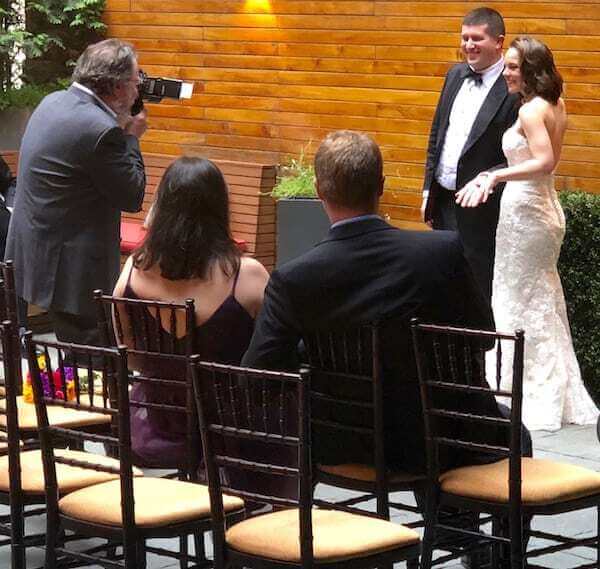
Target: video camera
154	89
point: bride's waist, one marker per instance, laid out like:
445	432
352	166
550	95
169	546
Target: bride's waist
543	185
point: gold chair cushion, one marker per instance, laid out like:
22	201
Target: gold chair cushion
337	536
543	481
57	415
365	473
70	478
158	502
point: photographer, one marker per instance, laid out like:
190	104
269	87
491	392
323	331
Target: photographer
80	166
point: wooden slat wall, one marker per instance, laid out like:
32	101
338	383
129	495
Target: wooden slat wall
273	76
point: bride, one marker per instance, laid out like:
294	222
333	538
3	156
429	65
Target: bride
527	292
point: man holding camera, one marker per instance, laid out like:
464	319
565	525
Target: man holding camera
80	165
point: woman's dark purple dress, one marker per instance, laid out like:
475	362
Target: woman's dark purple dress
158	437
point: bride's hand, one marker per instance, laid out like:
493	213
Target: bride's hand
470	194
476	191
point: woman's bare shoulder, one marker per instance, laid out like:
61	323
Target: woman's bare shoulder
251	285
252	268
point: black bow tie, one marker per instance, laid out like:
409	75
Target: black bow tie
476	77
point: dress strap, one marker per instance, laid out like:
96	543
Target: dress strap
235	279
128	283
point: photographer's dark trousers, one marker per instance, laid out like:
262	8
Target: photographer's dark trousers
71	328
75	328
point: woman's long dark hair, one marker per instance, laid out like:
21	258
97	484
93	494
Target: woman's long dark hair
538	71
189	225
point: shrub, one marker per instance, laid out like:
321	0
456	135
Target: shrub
28	96
579	267
296	180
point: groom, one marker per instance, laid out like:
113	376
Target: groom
473	112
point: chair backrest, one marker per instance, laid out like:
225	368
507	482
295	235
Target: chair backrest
57	370
146	326
8	311
346	397
8	303
10	436
459	404
255	424
159	337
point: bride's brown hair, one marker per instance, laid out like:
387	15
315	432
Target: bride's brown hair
538	71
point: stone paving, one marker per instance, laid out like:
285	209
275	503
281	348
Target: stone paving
573	444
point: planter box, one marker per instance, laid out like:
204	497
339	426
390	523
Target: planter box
12	127
301	224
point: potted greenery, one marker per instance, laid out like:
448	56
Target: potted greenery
39	39
301	220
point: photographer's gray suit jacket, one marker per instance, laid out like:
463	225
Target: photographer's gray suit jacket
77	171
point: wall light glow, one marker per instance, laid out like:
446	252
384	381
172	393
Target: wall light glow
259	6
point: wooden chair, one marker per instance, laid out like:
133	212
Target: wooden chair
21	471
150	329
126	510
11	488
347	397
8	310
240	406
510	487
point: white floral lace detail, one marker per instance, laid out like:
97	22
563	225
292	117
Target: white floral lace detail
527	293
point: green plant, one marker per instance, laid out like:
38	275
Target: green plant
296	179
29	96
579	267
53	31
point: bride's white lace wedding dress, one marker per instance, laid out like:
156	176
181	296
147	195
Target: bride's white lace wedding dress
527	293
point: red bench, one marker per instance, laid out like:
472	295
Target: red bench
133	233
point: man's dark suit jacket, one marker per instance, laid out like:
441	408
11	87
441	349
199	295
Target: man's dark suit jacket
362	272
482	151
77	171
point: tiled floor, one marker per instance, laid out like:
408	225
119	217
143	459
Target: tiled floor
577	445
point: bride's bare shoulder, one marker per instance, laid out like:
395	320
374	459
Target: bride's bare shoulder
533	110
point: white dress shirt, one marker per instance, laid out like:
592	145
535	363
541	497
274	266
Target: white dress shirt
465	109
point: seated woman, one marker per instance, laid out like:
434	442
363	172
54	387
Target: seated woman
189	253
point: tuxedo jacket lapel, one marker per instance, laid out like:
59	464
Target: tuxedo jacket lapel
488	110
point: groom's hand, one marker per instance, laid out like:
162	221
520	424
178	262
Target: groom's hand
423	207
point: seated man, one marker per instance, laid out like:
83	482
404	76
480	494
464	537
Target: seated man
364	271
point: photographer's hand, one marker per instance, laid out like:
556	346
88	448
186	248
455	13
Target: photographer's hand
135	125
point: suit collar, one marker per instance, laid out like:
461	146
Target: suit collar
88	95
360	227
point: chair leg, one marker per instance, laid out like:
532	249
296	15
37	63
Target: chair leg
496	547
140	555
183	549
430	519
598	525
17	535
515	522
50	561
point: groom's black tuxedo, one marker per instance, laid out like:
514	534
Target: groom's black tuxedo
367	271
482	151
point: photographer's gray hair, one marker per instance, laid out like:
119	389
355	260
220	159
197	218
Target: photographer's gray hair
103	65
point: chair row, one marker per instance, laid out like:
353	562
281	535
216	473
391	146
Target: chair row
250	418
93	495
